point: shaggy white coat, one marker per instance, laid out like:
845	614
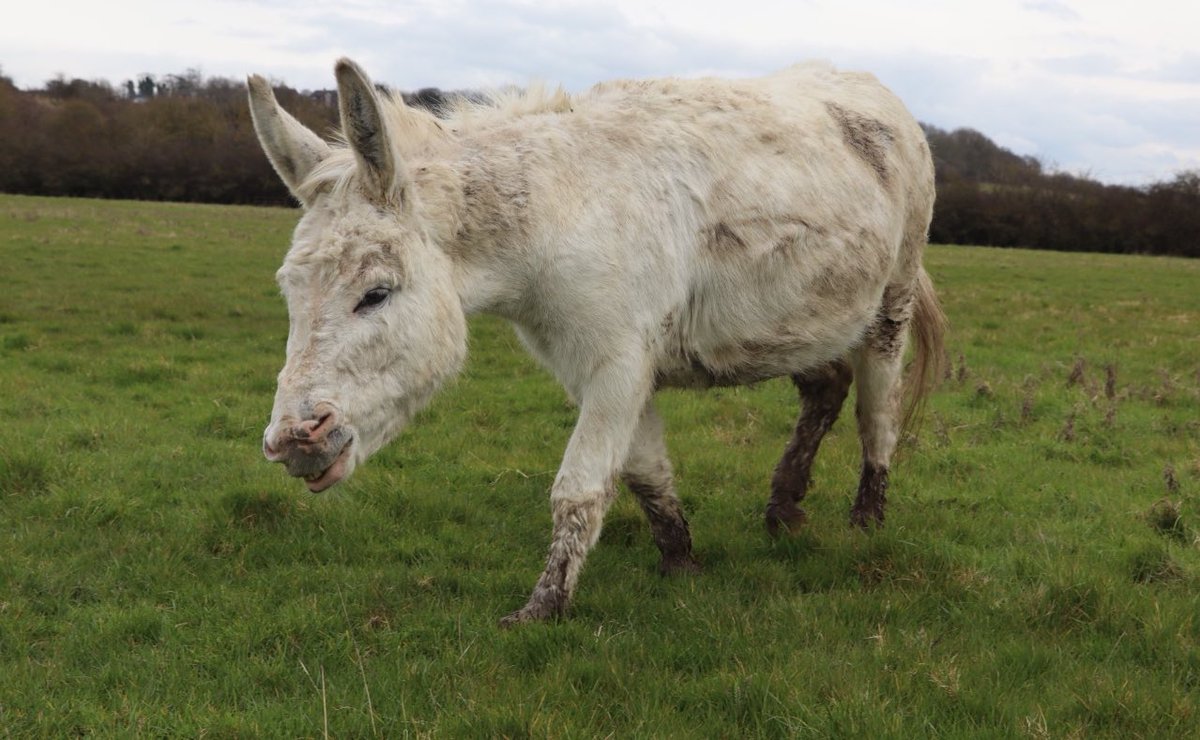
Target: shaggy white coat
642	234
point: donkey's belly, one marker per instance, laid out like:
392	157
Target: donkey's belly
753	364
696	375
765	313
790	349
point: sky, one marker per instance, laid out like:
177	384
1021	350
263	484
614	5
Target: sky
1110	90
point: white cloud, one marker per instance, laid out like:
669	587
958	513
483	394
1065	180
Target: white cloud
1059	10
1100	85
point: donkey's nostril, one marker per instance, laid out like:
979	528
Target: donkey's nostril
313	431
322	426
270	452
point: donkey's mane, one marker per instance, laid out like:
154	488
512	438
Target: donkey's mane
417	133
508	102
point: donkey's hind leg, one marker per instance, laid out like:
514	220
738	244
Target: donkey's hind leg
647	472
822	393
878	370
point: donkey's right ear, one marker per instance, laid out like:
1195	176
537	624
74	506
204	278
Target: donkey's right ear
293	149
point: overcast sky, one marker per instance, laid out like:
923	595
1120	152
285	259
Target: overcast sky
1110	89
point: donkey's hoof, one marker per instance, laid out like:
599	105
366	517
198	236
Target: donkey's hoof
679	564
864	517
784	519
525	615
545	604
520	616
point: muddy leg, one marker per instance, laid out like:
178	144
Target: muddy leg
647	472
877	370
822	393
608	416
576	529
872	495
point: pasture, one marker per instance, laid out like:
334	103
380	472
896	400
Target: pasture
1039	574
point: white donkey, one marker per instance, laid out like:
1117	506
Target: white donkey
641	235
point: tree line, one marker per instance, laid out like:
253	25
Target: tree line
189	138
991	196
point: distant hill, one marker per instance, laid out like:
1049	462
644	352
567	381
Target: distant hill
989	195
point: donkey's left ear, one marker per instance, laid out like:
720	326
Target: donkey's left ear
367	131
293	149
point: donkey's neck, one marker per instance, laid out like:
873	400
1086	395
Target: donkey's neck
478	202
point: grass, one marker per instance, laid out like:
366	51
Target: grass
1038	575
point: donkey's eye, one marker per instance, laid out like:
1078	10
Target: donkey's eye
372	297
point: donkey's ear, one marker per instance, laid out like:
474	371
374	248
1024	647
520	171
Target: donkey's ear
293	149
366	129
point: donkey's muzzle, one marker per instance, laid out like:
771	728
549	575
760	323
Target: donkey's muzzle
315	449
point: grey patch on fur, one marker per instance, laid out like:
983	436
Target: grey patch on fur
867	137
383	257
887	332
288	166
885	336
668	323
725	239
497	203
823	392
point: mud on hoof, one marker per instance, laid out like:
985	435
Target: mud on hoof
679	565
863	517
872	496
544	605
784	518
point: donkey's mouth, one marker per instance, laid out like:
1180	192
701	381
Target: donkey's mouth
318	482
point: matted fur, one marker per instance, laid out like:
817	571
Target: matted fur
419	133
643	234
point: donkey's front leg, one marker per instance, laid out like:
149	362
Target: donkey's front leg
610	405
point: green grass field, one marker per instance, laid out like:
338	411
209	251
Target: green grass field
1038	576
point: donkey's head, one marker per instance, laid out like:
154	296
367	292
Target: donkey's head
376	324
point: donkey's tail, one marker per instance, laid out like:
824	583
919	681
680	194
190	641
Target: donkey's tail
928	336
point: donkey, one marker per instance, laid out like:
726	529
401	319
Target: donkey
641	235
